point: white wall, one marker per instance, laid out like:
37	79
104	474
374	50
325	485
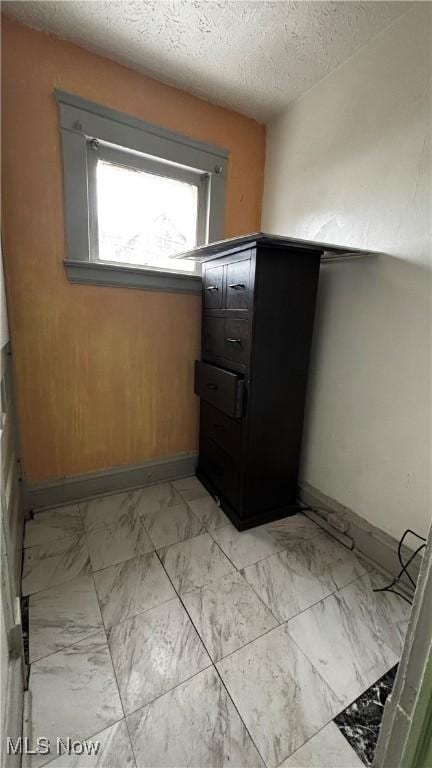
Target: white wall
349	163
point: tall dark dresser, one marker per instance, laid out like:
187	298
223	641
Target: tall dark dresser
259	295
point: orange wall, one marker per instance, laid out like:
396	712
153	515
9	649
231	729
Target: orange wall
104	375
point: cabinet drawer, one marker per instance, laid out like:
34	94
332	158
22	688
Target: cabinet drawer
213	337
220	388
236	341
226	339
213	287
220	469
221	429
238	284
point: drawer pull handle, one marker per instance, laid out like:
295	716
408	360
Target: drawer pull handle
233	341
211	385
237	286
212	288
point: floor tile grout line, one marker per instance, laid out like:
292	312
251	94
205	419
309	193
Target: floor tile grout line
326	684
266	557
57	584
238	570
116	524
121	562
170	690
283	621
184	594
238	712
176	542
272	629
128	560
75	535
243	568
131	742
180	541
165	547
114	565
71	645
312	605
218	674
92	735
335	694
321	600
103	629
227	576
66	647
204	533
279	623
333	594
176	597
104	632
186	501
115	528
109	651
329	722
141	613
206	527
86	739
64	534
261	599
125	716
231	653
130	508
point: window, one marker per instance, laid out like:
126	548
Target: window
135	196
144	218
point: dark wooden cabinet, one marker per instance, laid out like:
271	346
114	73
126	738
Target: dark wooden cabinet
259	296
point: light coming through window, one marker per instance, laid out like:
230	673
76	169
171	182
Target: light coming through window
144	218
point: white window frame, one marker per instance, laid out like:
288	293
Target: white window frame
90	131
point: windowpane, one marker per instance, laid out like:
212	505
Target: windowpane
143	218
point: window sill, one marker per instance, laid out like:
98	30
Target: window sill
97	273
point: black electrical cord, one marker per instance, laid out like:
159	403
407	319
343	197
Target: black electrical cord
389	589
405	566
404	569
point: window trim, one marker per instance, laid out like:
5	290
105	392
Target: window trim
82	121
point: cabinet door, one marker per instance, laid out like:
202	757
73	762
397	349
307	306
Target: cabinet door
213	287
213	338
236	341
238	284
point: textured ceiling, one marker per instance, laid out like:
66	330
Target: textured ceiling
254	57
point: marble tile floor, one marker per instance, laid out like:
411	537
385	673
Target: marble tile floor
160	631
